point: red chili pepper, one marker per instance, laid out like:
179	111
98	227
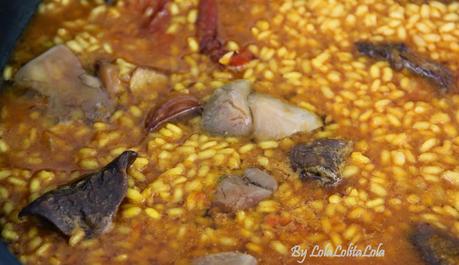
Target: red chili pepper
209	42
207	30
159	15
140	5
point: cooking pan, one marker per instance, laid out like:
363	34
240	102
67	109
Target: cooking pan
14	17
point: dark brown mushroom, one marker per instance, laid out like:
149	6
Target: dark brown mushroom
399	56
321	160
89	203
175	108
436	246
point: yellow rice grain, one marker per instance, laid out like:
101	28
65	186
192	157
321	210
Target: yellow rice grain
89	164
206	154
263	161
268	144
41	251
153	213
246	148
175	212
134	195
427	145
9	234
131	212
76	237
279	247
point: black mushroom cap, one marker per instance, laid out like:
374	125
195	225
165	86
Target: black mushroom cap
321	159
400	57
88	203
436	246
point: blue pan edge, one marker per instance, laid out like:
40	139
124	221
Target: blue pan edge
6	258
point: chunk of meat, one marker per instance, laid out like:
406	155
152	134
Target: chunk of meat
260	179
401	57
109	76
275	119
227	111
226	258
237	193
436	247
59	75
145	80
321	160
175	108
209	39
89	203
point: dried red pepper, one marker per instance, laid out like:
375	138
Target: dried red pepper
159	15
209	41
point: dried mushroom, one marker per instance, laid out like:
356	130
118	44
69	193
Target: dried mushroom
401	57
321	160
89	203
176	108
226	258
436	247
59	75
237	193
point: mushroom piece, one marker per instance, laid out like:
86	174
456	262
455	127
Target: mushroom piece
399	56
227	111
321	160
59	75
89	203
226	258
274	119
237	193
436	247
